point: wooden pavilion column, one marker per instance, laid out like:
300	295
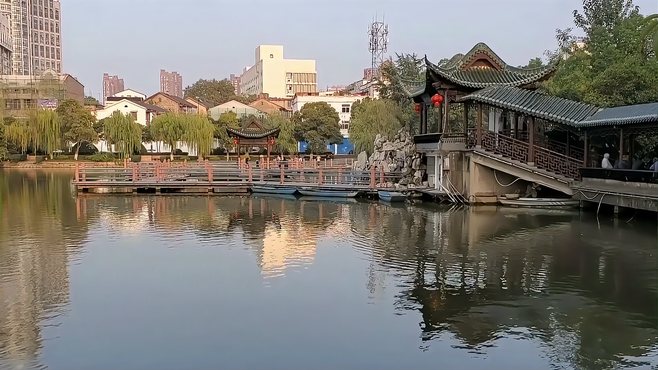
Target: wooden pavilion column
621	143
466	106
423	118
586	151
446	121
515	125
479	126
531	141
269	146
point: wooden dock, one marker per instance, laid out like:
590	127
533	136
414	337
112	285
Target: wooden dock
221	178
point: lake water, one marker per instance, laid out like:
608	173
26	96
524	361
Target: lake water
172	282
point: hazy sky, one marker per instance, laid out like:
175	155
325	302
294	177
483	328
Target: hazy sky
212	39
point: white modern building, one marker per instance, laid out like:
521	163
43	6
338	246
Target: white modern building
342	105
278	77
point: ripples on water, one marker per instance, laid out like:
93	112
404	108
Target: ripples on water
264	282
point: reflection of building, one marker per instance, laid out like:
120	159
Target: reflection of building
278	77
20	93
288	247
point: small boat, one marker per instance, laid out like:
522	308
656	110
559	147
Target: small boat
330	200
327	192
272	189
391	196
274	196
540	202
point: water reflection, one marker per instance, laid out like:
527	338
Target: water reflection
583	295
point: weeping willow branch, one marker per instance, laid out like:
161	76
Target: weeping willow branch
122	131
199	133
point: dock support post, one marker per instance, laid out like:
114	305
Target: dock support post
282	175
77	171
134	173
84	172
382	179
320	176
340	175
251	173
372	177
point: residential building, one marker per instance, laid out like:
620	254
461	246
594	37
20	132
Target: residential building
6	46
342	105
125	94
235	80
278	77
171	83
172	103
111	85
269	107
201	107
22	92
36	35
240	109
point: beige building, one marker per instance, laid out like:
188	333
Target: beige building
6	46
36	35
278	77
20	92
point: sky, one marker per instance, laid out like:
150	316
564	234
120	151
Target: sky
134	39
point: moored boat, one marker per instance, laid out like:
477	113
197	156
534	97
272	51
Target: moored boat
391	196
540	202
327	192
271	189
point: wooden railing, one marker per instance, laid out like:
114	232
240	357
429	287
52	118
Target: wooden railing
505	146
557	163
208	173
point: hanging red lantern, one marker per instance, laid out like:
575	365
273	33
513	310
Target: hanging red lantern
417	107
235	141
437	104
271	141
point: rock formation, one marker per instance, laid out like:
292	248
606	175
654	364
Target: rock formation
398	155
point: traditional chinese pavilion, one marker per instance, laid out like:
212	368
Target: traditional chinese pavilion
253	134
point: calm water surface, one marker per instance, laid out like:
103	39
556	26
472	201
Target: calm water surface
157	282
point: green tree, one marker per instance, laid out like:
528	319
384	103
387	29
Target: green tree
4	154
90	100
45	130
77	124
147	136
285	143
226	119
198	133
122	131
18	132
616	65
407	70
213	92
650	25
533	63
373	117
317	124
168	128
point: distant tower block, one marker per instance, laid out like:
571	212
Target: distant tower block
378	33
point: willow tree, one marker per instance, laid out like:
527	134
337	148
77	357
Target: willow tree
198	133
45	127
169	128
122	131
18	133
371	118
285	143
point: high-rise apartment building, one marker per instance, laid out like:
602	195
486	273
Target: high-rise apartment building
278	77
171	83
36	35
235	80
111	85
6	46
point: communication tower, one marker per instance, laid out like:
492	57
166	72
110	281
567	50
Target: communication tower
378	33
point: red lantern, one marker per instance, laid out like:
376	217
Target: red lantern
417	107
271	141
235	141
437	99
437	104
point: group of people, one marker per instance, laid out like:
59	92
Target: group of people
625	164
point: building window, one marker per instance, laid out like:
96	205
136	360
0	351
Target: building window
346	108
56	27
29	103
345	125
47	64
52	39
51	14
36	23
271	56
59	67
52	52
47	52
15	103
57	39
42	54
56	14
133	115
52	26
47	40
41	25
41	38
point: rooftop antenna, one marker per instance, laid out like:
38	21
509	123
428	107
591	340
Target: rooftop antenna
378	46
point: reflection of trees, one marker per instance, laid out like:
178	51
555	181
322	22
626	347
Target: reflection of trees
38	229
477	274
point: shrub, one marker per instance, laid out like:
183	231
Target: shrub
102	157
15	158
136	158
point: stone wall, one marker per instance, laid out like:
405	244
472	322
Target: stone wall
398	155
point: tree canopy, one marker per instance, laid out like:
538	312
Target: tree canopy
90	100
317	124
168	128
616	66
226	119
285	143
215	92
198	133
77	124
122	131
372	117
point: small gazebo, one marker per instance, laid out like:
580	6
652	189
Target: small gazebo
253	134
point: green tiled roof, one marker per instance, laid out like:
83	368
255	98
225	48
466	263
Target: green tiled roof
628	115
481	77
252	133
539	105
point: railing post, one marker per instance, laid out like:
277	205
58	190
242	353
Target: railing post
77	171
372	177
282	175
84	171
251	173
262	175
381	175
340	175
209	170
479	128
586	151
531	141
320	176
134	173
